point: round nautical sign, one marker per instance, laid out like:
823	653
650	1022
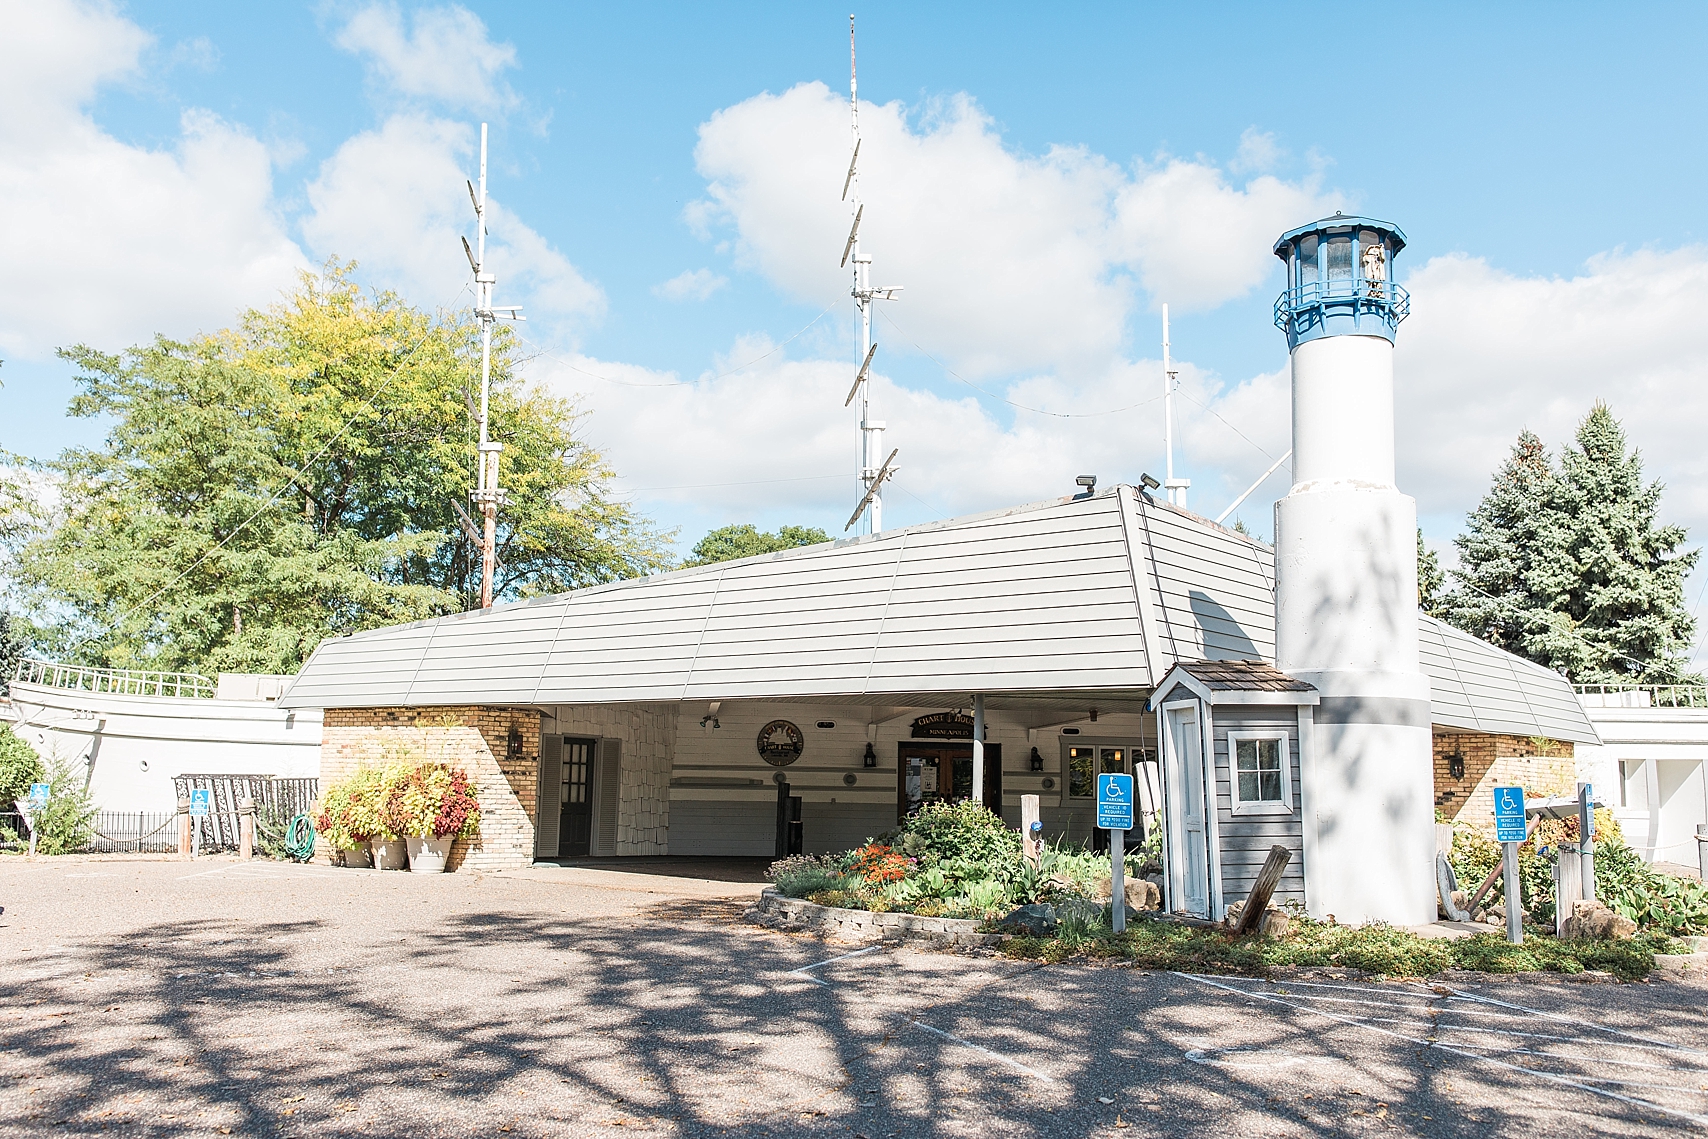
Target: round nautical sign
780	743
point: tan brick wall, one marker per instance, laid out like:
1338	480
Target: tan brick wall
1537	765
648	736
473	738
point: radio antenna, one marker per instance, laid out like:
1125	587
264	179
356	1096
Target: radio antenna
873	469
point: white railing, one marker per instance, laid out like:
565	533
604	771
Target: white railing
1643	695
118	681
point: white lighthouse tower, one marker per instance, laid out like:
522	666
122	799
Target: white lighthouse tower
1346	589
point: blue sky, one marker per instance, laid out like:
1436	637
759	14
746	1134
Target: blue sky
1041	179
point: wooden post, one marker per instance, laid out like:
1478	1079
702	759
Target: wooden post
1256	902
246	828
1032	848
183	828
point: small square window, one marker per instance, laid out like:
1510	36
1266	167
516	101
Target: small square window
1261	779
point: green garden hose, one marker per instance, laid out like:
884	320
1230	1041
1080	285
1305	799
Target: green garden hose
299	838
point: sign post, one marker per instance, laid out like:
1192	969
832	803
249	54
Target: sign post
37	804
1510	833
1115	815
199	804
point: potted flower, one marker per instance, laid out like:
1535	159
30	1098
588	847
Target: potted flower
384	815
341	822
439	806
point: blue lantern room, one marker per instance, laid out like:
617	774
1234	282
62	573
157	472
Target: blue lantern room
1340	280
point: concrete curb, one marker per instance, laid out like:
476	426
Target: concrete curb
1680	962
792	915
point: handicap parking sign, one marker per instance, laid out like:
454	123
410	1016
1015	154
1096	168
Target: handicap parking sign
199	801
1115	801
1509	814
38	796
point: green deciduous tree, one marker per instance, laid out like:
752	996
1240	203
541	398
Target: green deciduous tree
1567	566
295	477
745	540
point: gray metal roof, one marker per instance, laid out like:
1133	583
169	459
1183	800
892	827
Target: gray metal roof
1098	594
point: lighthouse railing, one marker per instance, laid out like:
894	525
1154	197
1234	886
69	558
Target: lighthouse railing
1351	296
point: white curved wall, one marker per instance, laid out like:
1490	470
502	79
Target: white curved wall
138	743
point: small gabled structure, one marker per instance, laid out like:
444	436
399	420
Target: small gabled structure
1236	750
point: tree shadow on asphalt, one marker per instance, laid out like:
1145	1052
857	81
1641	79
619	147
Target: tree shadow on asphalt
489	1019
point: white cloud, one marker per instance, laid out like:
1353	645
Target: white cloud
1258	152
109	243
396	200
1011	262
690	284
1487	352
442	54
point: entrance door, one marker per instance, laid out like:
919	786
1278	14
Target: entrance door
1186	785
934	771
575	826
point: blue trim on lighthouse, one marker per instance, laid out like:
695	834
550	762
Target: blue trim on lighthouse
1340	280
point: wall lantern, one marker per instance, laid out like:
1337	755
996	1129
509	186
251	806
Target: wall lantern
871	758
1037	760
513	743
1456	764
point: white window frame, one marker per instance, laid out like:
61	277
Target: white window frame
1283	806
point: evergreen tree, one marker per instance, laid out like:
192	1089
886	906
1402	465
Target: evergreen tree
1430	578
1568	568
1625	604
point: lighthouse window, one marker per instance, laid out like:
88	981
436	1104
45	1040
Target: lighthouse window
1262	782
1340	259
1308	261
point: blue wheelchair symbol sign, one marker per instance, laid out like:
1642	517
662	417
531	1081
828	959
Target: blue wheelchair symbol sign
1509	814
38	796
1115	801
199	801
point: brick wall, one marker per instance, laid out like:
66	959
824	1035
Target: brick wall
473	738
1537	765
648	737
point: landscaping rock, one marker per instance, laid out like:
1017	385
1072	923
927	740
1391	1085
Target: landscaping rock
1080	910
1141	893
1038	919
1275	923
1596	922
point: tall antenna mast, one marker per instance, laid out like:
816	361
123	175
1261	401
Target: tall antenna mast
872	472
1176	488
487	494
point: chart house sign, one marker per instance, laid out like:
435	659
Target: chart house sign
780	743
943	726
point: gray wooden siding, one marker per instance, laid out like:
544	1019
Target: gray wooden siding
1245	839
731	829
830	827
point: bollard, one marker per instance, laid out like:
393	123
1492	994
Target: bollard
184	827
246	828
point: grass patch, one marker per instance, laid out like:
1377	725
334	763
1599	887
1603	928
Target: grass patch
1377	949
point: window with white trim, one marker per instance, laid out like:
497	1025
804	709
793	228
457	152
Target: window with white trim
1261	774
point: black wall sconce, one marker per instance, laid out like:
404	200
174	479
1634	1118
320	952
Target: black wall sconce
513	744
1456	764
1037	760
871	757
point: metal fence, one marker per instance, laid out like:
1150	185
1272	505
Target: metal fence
119	681
136	832
219	830
1643	695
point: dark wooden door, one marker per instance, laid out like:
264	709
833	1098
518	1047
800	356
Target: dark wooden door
932	771
575	827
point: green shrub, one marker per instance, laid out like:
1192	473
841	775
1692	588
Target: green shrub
67	823
963	830
799	875
1657	902
20	766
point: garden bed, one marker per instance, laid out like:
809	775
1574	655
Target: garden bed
797	915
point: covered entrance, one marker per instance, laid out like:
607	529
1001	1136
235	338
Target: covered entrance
931	771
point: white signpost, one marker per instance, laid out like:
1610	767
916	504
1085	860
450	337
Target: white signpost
37	803
1115	814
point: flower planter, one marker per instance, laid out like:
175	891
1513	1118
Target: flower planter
428	855
359	856
389	855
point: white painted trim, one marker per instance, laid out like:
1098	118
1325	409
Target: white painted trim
1307	806
1261	697
1281	806
1141	587
1213	823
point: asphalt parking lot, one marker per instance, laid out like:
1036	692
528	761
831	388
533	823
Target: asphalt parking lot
165	998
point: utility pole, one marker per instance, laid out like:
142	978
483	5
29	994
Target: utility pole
487	495
872	471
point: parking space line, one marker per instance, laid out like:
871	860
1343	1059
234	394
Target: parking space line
804	974
1648	1040
1427	1043
998	1056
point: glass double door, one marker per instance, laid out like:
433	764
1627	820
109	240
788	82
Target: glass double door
575	798
935	771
